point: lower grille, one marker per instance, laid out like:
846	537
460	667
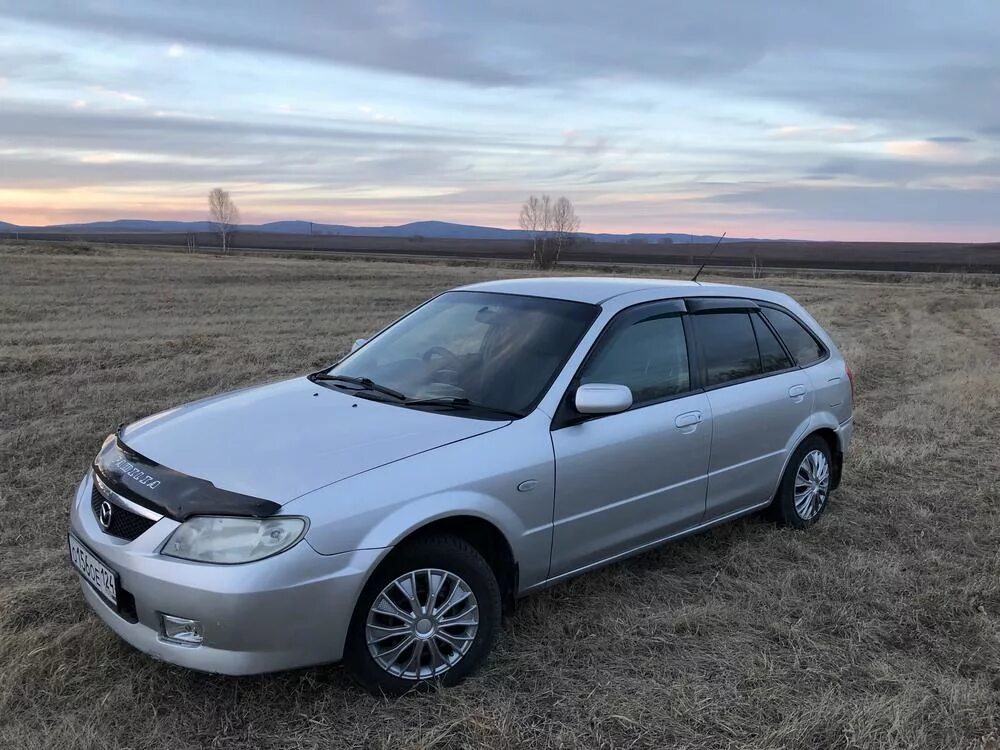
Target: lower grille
122	523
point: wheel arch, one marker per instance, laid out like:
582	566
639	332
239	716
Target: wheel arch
829	436
487	539
482	534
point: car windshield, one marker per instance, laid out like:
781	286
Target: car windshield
473	349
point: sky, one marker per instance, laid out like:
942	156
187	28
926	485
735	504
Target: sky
849	120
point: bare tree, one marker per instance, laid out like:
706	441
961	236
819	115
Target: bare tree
224	215
536	219
565	225
552	227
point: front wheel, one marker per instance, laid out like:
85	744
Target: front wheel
805	488
429	613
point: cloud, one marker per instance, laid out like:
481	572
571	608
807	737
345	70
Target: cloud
871	204
121	96
904	90
375	115
175	50
100	147
41	126
42	67
518	42
393	37
908	64
921	149
817	132
906	172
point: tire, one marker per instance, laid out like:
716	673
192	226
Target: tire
408	654
810	473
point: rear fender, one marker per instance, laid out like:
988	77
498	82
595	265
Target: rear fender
823	420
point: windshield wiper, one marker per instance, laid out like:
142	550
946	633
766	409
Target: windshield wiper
366	383
461	403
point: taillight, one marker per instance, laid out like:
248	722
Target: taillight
850	376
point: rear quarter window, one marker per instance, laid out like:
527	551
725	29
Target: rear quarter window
728	346
772	356
805	347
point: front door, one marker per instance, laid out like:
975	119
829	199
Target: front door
630	479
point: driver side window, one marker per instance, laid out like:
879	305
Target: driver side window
649	356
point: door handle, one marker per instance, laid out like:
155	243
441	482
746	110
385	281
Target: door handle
687	419
797	393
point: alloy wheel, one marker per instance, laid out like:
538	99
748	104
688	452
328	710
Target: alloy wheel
812	484
422	624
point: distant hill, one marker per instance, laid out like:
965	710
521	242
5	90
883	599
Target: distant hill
428	229
127	225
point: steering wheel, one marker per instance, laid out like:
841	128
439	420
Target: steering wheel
443	352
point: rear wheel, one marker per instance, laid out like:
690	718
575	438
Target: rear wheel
805	488
429	613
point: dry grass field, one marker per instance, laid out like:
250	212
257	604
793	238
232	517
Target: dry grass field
949	257
878	628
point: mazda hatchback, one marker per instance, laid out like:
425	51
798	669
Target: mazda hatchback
498	439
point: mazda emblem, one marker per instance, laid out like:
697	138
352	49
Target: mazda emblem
104	515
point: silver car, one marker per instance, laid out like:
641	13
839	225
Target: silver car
497	439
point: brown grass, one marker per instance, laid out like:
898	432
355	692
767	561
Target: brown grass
766	254
878	628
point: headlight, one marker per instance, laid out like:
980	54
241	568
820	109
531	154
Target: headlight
224	539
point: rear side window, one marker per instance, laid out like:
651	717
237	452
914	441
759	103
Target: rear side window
772	356
728	345
802	344
649	356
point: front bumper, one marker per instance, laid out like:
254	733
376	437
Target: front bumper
286	611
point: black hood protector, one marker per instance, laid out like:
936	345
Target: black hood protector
167	491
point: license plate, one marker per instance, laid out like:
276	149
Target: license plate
99	575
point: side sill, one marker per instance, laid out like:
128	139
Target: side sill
643	548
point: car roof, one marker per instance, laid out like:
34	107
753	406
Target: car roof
597	290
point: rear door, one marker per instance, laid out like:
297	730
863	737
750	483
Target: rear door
826	373
630	479
760	402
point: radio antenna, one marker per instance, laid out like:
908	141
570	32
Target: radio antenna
710	254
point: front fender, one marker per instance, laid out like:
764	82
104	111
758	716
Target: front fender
416	514
477	477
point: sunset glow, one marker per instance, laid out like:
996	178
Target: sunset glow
844	121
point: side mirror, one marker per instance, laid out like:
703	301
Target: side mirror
602	398
358	343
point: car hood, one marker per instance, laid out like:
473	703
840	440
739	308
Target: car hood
285	439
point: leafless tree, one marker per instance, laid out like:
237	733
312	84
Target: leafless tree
224	215
565	225
536	219
552	227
